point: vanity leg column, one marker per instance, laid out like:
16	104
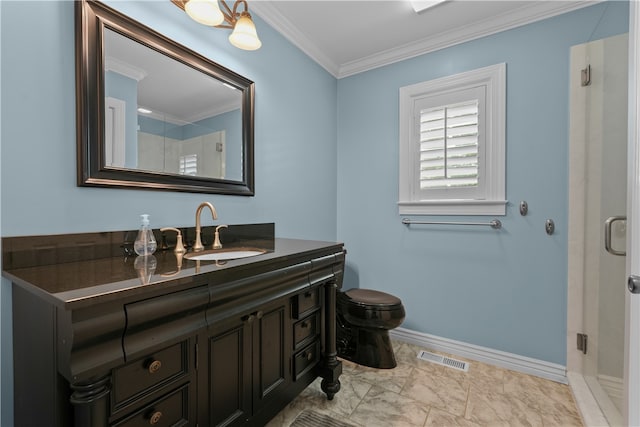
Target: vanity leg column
91	403
332	367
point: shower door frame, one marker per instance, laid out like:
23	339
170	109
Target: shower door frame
631	411
596	126
631	381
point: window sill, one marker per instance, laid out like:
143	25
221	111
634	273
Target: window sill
453	207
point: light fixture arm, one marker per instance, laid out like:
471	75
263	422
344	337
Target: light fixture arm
210	12
230	15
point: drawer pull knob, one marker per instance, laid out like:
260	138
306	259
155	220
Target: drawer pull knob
248	318
309	355
258	314
155	418
155	366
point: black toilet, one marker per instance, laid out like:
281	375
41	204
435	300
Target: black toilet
364	318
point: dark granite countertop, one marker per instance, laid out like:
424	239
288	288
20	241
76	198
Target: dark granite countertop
83	282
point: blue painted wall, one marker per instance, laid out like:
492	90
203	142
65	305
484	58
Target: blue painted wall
159	127
507	289
39	166
228	122
38	171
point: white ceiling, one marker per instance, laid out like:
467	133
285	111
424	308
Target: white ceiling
172	91
344	37
348	37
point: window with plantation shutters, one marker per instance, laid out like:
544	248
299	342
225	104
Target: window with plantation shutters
449	146
452	145
189	164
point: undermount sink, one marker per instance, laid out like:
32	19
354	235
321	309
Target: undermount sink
224	254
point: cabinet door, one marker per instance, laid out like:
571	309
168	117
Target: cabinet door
229	351
271	356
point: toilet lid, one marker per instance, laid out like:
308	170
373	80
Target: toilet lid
371	297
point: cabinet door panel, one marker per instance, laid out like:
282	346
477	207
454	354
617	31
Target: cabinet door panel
271	361
230	376
271	336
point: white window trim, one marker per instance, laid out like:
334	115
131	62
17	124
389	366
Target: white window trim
493	78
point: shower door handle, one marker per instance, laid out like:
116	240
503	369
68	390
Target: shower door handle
607	235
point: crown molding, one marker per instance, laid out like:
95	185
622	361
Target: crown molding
502	22
121	67
506	21
285	27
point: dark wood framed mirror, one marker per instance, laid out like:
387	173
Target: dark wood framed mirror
154	114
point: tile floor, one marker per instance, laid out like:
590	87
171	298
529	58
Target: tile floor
421	393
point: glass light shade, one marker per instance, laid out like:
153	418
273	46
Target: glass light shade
205	12
244	35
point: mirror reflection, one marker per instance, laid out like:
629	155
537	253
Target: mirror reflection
166	117
153	114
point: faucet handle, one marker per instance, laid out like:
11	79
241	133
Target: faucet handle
216	238
179	245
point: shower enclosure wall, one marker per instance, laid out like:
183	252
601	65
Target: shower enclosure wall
597	225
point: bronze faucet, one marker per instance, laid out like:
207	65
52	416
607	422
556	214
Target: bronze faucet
197	246
216	239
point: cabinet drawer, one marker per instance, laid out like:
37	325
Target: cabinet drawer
305	302
305	329
170	410
165	318
306	359
153	370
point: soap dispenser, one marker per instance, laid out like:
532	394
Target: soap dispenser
145	243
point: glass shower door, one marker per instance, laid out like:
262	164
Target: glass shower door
599	114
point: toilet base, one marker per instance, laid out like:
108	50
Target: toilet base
366	347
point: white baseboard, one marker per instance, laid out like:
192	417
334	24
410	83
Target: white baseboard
515	362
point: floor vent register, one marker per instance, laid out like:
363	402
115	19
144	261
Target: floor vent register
443	360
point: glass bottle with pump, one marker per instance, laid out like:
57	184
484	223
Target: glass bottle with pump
145	243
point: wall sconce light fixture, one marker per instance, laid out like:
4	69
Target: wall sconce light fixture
208	12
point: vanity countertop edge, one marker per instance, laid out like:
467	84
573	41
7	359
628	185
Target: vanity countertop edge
103	280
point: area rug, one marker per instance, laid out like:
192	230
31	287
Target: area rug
309	418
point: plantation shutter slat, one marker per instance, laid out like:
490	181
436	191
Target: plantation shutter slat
189	164
448	146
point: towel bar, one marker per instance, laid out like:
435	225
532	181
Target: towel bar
495	223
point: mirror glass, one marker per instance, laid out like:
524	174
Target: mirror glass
163	116
154	114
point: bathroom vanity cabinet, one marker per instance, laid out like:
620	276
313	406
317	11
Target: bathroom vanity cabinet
195	343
